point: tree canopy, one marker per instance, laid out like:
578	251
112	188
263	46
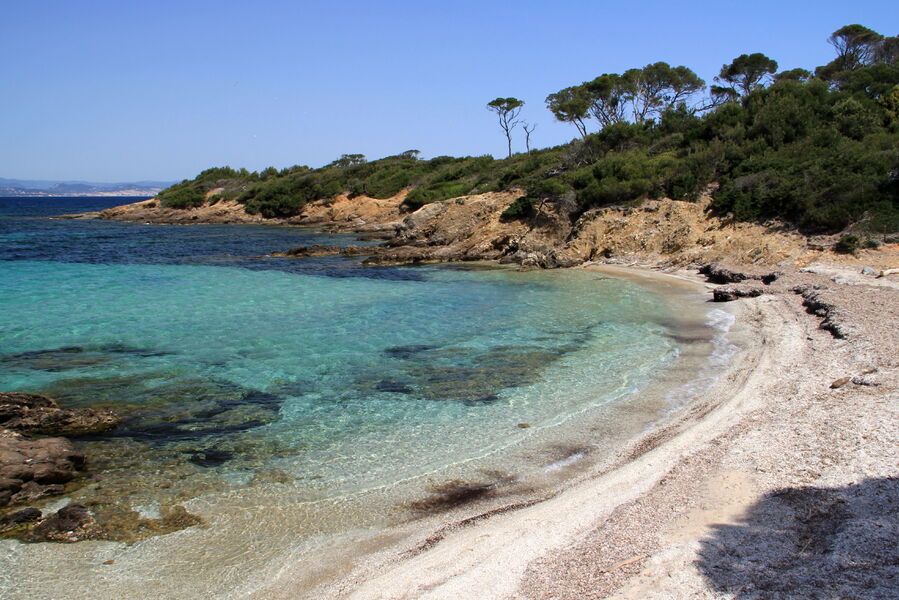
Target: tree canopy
507	110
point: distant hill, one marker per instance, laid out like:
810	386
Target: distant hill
32	187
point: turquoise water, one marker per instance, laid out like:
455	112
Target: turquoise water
266	394
345	375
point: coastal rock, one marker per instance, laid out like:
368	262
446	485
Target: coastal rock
731	293
31	469
34	413
319	250
720	274
70	524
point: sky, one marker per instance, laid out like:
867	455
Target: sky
123	91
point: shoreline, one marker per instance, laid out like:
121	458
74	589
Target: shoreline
688	475
641	529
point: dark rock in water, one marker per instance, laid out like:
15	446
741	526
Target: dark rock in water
34	413
407	351
393	386
214	409
320	250
31	469
26	515
73	357
70	524
211	458
488	399
32	490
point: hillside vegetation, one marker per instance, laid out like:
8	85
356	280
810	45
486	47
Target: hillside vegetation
817	150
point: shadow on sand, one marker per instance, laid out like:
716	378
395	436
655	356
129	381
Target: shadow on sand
810	542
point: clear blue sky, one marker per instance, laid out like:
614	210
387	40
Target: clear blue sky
117	91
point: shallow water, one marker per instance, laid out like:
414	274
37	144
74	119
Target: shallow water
284	400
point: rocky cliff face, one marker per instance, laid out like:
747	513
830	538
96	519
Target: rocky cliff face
659	232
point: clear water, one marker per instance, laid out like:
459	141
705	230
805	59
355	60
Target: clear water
276	382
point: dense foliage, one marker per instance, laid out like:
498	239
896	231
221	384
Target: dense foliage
819	151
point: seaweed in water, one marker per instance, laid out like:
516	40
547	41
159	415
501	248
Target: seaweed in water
452	494
408	351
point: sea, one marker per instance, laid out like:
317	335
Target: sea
301	408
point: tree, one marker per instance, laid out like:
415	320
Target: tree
856	45
607	98
658	87
571	105
528	130
793	75
507	110
349	160
747	72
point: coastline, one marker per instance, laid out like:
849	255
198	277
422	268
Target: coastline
642	529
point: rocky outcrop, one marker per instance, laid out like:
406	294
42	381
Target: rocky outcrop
37	414
731	293
814	299
718	273
32	469
320	250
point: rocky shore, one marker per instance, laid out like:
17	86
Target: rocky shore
780	482
664	233
33	468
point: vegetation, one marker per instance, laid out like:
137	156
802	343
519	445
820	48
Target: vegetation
818	151
507	110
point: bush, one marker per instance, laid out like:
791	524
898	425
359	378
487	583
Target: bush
521	209
848	244
181	196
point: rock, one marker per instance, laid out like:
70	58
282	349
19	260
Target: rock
34	413
70	524
26	515
728	294
19	519
840	383
716	273
32	469
319	250
870	271
211	457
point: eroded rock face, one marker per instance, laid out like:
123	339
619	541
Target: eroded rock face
32	469
731	293
34	413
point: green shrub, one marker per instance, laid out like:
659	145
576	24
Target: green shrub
522	208
848	244
181	196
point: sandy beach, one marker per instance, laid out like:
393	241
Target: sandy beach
780	482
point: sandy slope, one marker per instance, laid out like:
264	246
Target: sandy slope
775	485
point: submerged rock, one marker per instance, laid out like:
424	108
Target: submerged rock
31	469
70	524
34	413
211	458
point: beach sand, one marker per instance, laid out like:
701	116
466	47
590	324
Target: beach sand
780	482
